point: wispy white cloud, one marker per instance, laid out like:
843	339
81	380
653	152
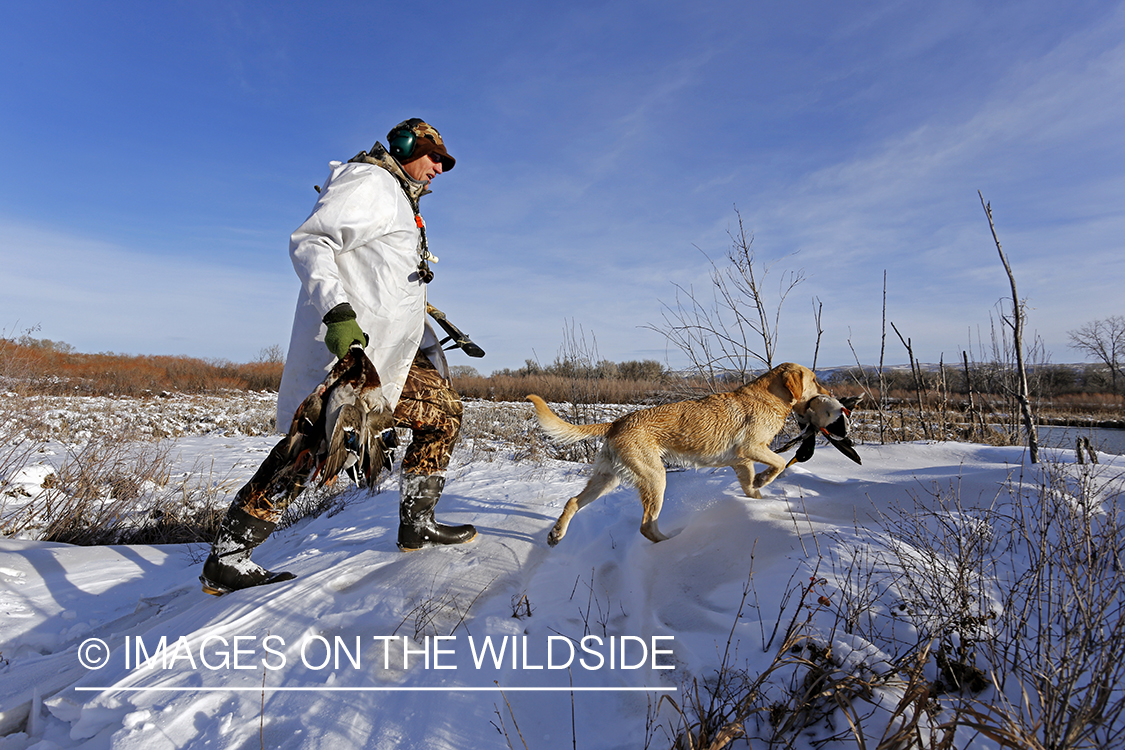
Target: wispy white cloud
98	296
1035	148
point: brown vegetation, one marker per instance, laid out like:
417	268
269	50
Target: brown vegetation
499	387
1060	394
30	365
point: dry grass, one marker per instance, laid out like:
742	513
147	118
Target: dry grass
104	470
953	622
112	491
558	388
31	369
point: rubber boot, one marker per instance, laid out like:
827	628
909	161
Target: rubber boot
416	525
229	567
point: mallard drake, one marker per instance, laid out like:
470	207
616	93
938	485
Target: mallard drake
824	415
345	424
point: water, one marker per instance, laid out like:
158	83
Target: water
1103	439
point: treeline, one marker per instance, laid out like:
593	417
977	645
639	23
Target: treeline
648	369
631	382
1062	387
1046	381
42	366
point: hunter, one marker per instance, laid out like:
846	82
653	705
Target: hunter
363	262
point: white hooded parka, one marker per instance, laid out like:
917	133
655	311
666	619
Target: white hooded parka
360	245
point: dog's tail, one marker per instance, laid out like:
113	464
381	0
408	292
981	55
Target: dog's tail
561	430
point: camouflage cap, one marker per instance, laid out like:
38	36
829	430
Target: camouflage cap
427	140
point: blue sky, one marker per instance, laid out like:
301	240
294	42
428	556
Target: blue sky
159	154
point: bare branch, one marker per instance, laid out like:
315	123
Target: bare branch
737	328
1016	323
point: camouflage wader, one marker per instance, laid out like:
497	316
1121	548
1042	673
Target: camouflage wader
431	409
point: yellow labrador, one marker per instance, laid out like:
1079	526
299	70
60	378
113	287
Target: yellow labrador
726	429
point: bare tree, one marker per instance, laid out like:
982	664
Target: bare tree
737	327
1015	321
974	411
882	370
916	371
1105	340
272	354
818	309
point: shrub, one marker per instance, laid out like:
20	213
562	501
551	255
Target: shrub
32	367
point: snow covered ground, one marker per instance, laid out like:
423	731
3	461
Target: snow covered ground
500	643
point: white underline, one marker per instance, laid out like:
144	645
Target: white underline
269	689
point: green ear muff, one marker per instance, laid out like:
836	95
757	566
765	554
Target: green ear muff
402	143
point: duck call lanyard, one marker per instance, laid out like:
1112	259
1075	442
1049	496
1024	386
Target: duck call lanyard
424	254
424	271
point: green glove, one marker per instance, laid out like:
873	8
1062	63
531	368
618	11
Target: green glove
343	330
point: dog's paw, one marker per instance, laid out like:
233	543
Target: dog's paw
764	478
552	538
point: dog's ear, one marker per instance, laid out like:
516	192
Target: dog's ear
795	384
